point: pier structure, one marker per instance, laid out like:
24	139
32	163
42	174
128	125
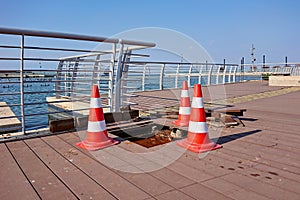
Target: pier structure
121	71
259	158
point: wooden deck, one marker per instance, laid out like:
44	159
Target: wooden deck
258	161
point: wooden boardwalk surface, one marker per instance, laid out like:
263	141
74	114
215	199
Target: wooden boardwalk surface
258	161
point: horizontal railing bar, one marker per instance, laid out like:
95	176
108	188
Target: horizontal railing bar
49	48
10	47
54	59
8	105
60	49
129	80
48	34
130	103
2	58
41	92
178	63
8	94
261	64
187	74
79	81
134	72
9	117
64	111
9	82
49	113
129	95
137	54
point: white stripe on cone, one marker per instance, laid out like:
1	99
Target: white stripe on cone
198	127
197	102
185	110
95	103
96	126
184	93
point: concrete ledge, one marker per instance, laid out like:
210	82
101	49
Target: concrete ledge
284	81
8	124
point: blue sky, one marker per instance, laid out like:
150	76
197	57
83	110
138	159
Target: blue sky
226	29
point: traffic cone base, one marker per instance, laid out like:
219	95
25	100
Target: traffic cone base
92	146
198	148
197	138
96	134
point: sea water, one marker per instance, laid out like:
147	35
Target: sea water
31	122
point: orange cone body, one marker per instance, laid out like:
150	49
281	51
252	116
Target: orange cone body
197	139
185	107
96	135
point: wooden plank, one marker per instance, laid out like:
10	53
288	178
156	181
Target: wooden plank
43	180
144	181
291	159
101	174
174	195
13	184
261	188
81	185
250	170
245	158
199	191
232	190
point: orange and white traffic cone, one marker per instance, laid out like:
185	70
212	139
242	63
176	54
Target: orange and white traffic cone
197	139
97	137
185	107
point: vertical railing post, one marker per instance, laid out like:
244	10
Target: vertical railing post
144	77
118	79
96	69
111	78
209	75
22	83
229	75
58	79
224	74
66	73
74	75
200	74
218	73
264	63
234	73
189	75
124	81
177	74
161	79
242	69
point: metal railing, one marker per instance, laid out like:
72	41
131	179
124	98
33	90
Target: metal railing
167	75
28	59
41	71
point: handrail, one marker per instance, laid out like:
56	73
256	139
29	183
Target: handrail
49	34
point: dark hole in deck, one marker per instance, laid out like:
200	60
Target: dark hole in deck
148	136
